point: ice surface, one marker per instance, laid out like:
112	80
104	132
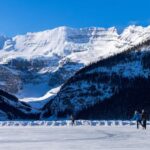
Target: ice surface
74	138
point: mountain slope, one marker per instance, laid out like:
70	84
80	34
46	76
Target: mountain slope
111	88
11	108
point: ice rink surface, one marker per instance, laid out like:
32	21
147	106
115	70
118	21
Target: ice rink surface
74	138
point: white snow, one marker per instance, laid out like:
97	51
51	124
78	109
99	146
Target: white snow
38	102
31	91
80	45
74	138
44	97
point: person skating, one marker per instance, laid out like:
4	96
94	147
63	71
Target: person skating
137	117
144	117
72	120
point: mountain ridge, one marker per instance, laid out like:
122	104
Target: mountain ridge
48	59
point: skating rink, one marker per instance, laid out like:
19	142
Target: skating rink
74	138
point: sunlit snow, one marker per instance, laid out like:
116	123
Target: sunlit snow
83	137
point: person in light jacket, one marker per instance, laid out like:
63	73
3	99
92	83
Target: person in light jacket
137	117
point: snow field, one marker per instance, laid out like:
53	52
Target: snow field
74	138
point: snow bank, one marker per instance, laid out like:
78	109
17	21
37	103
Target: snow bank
68	123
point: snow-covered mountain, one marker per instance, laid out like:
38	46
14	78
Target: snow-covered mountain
110	88
40	62
65	41
2	41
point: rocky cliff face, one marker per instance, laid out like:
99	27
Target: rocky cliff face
9	80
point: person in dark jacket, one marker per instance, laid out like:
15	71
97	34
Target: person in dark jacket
137	117
144	118
72	120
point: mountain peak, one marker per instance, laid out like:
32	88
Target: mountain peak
3	38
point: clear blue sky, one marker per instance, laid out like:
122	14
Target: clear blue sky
21	16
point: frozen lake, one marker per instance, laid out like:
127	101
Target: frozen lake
74	138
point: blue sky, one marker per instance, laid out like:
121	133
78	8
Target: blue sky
21	16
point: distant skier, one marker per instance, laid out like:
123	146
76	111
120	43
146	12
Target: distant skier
144	118
72	120
137	117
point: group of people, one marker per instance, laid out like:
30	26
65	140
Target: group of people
141	118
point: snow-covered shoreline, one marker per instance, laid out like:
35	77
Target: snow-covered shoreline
68	123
